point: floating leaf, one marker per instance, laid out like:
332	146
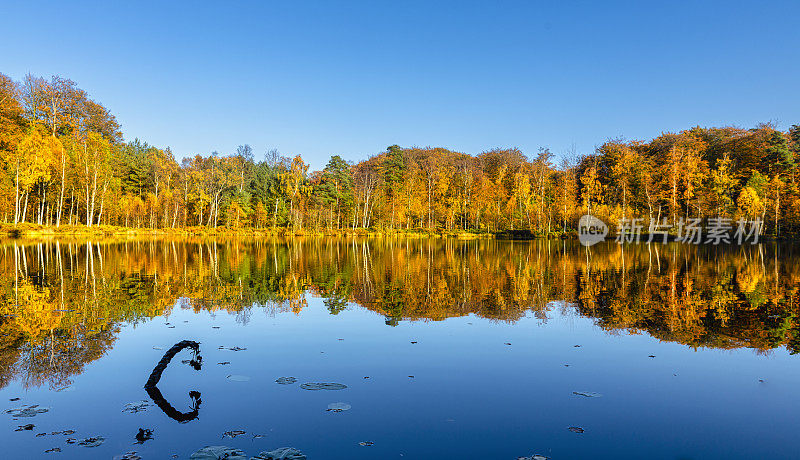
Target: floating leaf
136	406
587	394
92	442
323	386
218	452
27	411
338	407
281	453
128	456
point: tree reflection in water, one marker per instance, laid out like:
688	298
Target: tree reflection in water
62	302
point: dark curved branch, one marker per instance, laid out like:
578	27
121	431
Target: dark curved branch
155	376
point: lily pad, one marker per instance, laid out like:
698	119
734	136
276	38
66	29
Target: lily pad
281	453
128	456
218	453
285	380
323	386
92	442
587	394
338	407
136	406
27	411
238	378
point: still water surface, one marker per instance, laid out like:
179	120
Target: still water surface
448	349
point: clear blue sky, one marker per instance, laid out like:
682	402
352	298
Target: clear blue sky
319	78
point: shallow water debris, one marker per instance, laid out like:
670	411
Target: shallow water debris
587	394
233	433
39	435
92	442
281	453
323	386
144	434
223	363
651	356
27	411
128	456
508	343
26	427
238	378
285	380
534	457
366	443
52	450
136	406
576	429
338	407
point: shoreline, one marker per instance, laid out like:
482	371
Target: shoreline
81	231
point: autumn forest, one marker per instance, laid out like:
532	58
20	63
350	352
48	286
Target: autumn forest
65	165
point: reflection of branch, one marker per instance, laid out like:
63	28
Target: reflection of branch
155	376
175	414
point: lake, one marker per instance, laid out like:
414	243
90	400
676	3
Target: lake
443	348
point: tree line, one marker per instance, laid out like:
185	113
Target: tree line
64	163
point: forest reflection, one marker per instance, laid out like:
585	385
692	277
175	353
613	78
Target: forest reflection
63	301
